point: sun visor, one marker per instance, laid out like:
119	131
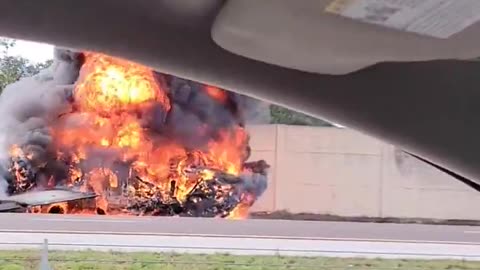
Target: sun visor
342	36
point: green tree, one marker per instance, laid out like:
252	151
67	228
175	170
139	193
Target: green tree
12	68
281	115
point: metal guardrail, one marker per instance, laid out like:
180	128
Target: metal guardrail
219	250
43	262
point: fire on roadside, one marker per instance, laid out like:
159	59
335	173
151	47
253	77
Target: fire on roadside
107	147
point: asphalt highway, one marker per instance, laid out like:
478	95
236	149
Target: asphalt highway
239	228
306	238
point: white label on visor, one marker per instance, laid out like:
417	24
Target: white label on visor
434	18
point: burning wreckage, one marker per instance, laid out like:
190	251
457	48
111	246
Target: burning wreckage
98	134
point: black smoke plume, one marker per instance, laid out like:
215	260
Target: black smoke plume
31	106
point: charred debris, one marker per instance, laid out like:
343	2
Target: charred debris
42	175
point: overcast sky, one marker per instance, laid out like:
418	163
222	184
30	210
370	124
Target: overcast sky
36	52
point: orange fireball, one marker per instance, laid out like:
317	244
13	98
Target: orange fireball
107	128
110	84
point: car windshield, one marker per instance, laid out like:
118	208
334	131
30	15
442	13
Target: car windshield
109	164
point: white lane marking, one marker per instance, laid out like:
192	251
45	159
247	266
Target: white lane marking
472	232
239	236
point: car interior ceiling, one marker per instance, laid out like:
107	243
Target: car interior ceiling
414	92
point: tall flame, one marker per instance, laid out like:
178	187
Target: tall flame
110	85
110	97
123	140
